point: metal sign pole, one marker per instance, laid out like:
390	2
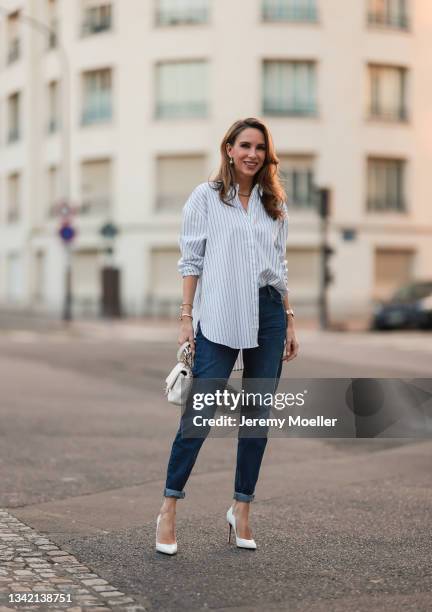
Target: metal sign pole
67	306
67	233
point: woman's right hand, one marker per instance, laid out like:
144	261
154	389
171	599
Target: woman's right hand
186	334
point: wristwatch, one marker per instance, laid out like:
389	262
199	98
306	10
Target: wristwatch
290	312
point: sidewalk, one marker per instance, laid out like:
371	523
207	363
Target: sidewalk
10	319
36	574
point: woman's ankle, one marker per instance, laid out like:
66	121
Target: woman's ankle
168	506
241	507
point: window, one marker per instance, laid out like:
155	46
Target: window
181	89
176	177
393	267
13	40
13	198
14	117
385	186
52	21
388	13
289	10
53	191
14	277
53	107
96	187
387	93
289	88
97	17
304	273
97	96
38	277
181	12
297	173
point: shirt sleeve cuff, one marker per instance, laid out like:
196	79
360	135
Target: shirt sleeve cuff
190	270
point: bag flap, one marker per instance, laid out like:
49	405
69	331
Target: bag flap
175	372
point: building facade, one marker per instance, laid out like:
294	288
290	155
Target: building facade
119	108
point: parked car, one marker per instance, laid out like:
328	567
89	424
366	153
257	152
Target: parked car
410	306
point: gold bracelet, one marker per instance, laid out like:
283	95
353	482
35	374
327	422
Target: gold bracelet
184	314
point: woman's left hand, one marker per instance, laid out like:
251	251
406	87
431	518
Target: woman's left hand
291	345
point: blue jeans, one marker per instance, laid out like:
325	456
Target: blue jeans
216	361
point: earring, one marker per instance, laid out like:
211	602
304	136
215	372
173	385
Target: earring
231	161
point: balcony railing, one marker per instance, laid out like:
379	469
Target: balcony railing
95	26
300	188
399	21
386	204
96	114
13	135
388	114
182	17
294	109
289	11
182	110
13	53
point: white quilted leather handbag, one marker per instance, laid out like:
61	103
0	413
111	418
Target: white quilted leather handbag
179	380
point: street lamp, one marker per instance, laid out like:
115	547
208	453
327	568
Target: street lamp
65	138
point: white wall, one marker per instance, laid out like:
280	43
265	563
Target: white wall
235	42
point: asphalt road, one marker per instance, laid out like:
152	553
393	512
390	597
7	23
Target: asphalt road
341	525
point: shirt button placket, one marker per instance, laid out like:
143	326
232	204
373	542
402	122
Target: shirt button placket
254	288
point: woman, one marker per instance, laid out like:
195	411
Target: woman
235	311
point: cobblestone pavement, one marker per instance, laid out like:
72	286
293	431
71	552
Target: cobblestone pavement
31	564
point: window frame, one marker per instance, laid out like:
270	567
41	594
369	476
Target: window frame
160	116
183	23
313	113
102	120
313	19
402	208
402	113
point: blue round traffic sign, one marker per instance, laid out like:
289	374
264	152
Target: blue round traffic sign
67	232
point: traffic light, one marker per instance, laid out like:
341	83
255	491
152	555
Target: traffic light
324	202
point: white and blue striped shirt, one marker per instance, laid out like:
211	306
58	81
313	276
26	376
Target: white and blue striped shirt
234	252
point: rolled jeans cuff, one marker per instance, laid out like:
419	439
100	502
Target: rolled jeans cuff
173	493
243	497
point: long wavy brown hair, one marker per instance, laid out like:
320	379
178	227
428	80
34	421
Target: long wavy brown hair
272	191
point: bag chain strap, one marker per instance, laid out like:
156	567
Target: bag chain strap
187	357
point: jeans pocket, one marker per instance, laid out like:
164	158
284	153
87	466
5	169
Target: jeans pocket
275	296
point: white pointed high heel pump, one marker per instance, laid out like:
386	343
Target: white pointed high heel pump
168	549
241	542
